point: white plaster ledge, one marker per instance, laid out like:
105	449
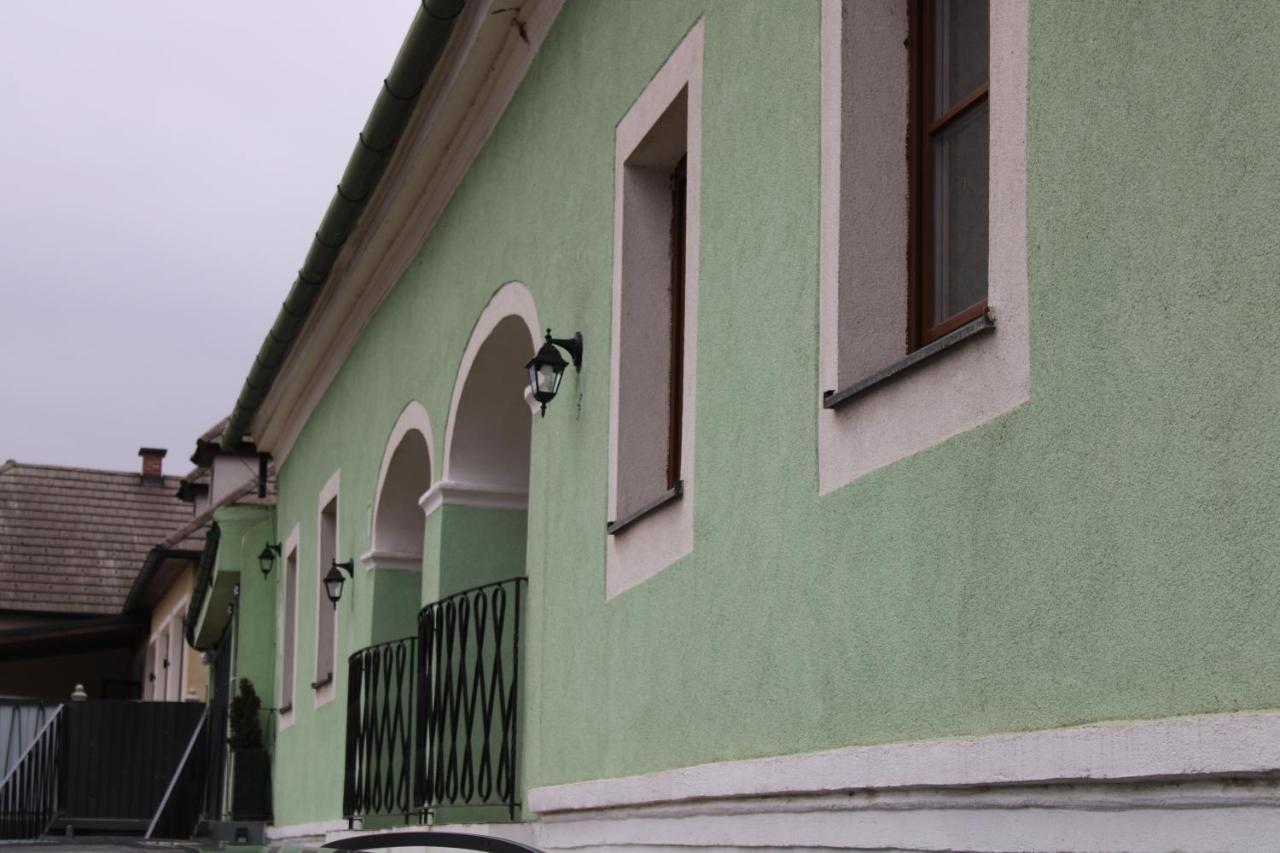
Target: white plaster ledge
308	831
1222	744
482	495
397	560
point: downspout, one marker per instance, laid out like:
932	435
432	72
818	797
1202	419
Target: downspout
421	50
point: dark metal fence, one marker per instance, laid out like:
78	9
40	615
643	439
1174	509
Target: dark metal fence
29	792
381	713
468	686
178	814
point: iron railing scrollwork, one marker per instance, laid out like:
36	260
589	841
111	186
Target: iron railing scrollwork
381	711
468	688
29	793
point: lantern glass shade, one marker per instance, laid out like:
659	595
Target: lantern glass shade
333	585
266	560
545	380
546	369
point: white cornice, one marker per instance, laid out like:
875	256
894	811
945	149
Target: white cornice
397	560
451	493
478	75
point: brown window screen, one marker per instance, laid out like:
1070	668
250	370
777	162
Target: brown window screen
679	186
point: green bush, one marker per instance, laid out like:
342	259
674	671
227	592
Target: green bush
246	728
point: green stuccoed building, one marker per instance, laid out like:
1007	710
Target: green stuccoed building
842	424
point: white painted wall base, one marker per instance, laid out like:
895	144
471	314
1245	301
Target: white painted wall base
1199	784
1190	784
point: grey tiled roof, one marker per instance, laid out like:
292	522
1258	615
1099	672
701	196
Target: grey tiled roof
73	539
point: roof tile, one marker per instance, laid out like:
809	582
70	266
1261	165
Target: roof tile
73	539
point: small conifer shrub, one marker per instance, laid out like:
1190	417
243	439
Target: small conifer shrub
246	729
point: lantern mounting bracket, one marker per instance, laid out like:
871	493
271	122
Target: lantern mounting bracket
573	346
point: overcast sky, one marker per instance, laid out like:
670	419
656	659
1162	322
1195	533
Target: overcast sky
163	166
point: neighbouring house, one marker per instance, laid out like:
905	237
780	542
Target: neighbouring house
92	567
912	482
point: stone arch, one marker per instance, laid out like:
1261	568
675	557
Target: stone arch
478	510
487	434
408	463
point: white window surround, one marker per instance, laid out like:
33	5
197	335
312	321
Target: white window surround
324	694
413	417
284	718
665	535
957	390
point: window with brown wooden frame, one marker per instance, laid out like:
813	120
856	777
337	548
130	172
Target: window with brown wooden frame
950	75
652	335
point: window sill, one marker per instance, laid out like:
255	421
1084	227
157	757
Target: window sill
286	709
984	323
328	679
662	500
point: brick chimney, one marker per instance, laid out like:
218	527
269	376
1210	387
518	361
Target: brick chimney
152	465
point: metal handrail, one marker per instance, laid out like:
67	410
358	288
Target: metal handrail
365	650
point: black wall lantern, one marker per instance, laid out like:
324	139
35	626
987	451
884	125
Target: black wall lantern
333	580
267	558
546	369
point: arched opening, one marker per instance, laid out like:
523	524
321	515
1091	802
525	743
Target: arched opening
398	520
405	476
477	517
478	508
491	431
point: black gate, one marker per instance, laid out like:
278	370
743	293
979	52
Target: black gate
118	760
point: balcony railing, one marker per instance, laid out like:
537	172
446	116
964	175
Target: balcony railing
432	720
381	711
469	688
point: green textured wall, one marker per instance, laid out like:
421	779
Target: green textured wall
1107	551
245	529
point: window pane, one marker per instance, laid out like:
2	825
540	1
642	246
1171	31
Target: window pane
960	214
960	55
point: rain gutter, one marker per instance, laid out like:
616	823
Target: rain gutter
421	50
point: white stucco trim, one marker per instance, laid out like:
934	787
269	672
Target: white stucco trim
321	696
390	560
483	65
315	831
284	719
413	417
481	495
513	299
1238	744
969	386
1190	816
664	536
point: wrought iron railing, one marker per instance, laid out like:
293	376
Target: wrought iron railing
29	792
381	711
468	688
432	720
